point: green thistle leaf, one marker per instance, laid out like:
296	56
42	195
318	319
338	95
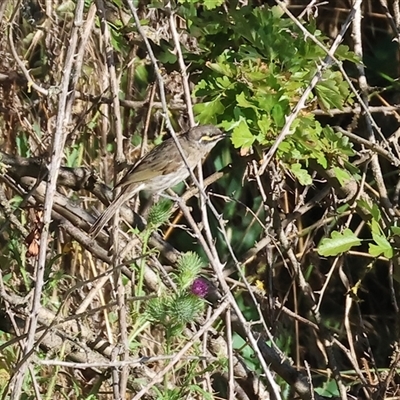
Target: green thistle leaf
185	308
159	213
189	267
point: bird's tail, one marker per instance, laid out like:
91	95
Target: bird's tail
109	212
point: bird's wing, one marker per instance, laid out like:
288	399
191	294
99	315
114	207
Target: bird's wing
149	169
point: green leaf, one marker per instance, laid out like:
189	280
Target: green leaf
372	209
207	112
341	175
321	160
166	55
328	95
74	155
23	147
223	82
338	243
344	53
376	212
278	115
228	125
264	124
222	68
142	74
301	174
241	136
332	91
243	102
211	4
382	246
375	228
267	101
277	11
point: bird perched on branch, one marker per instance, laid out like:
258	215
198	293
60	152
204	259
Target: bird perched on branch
162	168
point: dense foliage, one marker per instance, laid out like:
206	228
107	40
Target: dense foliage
282	280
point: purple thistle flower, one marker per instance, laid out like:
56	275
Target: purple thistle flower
199	287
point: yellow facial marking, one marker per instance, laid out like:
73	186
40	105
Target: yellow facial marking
208	138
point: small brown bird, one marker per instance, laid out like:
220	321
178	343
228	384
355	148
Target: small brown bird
162	168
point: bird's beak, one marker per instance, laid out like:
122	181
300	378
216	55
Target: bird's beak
223	135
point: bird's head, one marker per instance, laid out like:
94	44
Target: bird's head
206	136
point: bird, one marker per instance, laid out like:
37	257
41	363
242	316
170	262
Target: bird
162	168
